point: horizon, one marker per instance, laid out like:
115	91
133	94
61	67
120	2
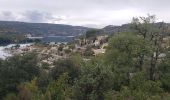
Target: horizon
60	24
73	25
87	13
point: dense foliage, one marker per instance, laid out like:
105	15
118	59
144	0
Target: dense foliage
131	69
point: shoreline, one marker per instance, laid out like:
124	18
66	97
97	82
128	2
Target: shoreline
7	51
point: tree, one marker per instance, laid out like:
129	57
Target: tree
11	96
164	73
94	81
15	70
29	90
67	65
72	46
88	52
92	33
43	80
141	89
60	48
67	51
60	89
146	27
123	53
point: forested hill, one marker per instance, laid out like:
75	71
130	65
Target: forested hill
45	29
40	29
114	29
110	29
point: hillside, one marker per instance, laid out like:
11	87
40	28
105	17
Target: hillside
45	29
111	29
40	29
114	29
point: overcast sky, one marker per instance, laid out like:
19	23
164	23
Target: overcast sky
92	13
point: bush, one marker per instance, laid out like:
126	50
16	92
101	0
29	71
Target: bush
17	69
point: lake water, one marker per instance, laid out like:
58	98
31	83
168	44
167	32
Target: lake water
4	53
57	39
54	38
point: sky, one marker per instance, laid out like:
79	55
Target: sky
89	13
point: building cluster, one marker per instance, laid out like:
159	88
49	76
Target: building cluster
51	52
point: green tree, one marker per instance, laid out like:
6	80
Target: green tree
15	70
60	48
141	89
94	81
69	66
67	51
43	80
30	91
164	73
92	33
88	52
11	96
60	89
72	46
146	27
123	53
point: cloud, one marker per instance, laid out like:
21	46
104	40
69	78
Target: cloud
30	16
82	12
39	17
35	16
7	15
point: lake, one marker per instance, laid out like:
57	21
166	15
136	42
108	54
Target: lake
4	53
64	39
54	38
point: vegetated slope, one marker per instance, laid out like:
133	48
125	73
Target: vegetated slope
40	29
114	29
111	29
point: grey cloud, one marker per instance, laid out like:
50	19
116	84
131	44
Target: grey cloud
82	12
37	17
40	17
7	15
29	16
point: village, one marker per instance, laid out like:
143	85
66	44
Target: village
50	52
